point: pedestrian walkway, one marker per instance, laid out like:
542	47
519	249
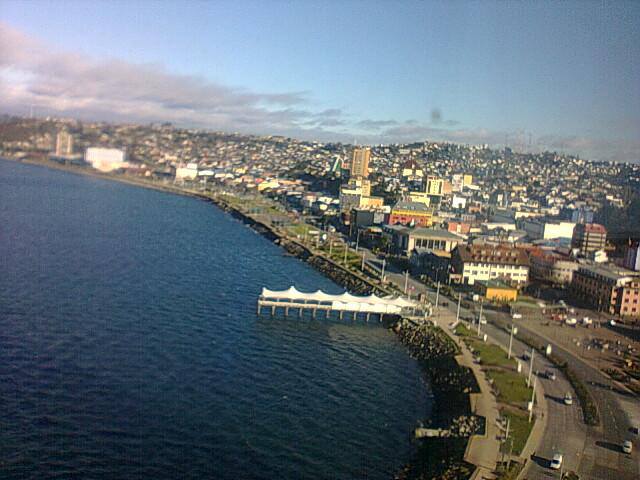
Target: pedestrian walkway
482	450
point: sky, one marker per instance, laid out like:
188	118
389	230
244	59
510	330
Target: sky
562	76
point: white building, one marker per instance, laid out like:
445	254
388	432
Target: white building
538	229
190	172
105	159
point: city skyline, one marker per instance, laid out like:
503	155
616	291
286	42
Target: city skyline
541	76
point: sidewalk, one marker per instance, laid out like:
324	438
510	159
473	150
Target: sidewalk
482	450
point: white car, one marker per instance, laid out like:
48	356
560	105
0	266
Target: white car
627	446
571	321
516	316
556	461
568	399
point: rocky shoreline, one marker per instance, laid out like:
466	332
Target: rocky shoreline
441	457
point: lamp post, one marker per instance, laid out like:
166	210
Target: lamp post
346	251
514	331
480	316
406	281
358	240
458	312
530	368
384	262
363	259
437	294
533	396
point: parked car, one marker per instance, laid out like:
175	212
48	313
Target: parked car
550	375
526	355
568	399
556	461
587	321
627	446
516	316
571	321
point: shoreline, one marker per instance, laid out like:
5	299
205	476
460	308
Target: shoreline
434	458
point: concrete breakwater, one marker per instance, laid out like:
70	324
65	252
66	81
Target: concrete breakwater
441	457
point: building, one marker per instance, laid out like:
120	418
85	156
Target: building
105	159
496	291
589	237
188	172
539	229
632	256
406	240
608	288
471	263
410	213
553	268
360	162
64	144
435	186
411	171
357	193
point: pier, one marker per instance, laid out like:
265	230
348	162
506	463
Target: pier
294	300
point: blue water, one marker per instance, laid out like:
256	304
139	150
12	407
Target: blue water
130	347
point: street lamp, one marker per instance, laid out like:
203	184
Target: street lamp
514	331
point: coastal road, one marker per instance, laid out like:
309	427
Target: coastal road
594	453
619	411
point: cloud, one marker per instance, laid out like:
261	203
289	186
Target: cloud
59	82
64	83
375	124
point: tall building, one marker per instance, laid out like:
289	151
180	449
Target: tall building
64	144
435	186
632	256
589	237
360	162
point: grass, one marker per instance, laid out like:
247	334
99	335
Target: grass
519	429
511	387
490	355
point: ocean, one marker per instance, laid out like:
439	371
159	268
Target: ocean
130	347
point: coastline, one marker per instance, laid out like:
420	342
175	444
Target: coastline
435	458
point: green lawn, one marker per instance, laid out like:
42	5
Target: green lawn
490	355
519	429
511	386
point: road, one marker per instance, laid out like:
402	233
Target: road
594	452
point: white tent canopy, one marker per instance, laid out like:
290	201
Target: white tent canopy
344	301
